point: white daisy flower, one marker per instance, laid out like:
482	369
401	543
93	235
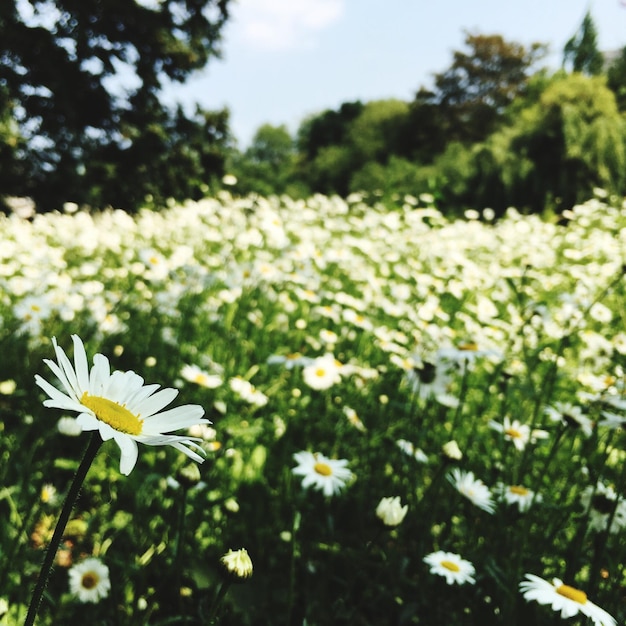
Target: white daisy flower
409	448
119	405
570	415
193	374
323	372
391	512
568	600
518	495
321	473
602	504
472	488
89	580
517	433
247	391
237	565
451	566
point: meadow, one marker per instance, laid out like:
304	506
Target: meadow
449	392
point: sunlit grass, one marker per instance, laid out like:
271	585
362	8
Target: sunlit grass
415	348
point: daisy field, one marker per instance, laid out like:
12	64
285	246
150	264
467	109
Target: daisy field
325	411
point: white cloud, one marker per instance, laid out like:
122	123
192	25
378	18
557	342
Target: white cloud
283	24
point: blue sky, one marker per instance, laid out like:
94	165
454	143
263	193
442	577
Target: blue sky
286	59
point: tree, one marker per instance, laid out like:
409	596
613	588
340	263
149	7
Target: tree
268	165
616	79
379	130
473	93
83	77
581	52
556	150
329	128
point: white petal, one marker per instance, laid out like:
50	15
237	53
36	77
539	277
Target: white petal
100	374
80	363
129	452
150	406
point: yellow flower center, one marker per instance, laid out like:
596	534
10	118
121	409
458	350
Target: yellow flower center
519	490
453	567
470	346
572	594
115	415
323	469
89	580
513	433
320	372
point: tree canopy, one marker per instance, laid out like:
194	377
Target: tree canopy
581	51
80	80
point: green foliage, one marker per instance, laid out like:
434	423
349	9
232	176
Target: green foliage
60	59
269	164
581	52
475	90
616	79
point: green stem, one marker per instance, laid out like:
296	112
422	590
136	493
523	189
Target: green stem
221	594
72	494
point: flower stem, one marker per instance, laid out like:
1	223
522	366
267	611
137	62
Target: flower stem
220	595
72	494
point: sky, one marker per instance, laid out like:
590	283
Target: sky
285	60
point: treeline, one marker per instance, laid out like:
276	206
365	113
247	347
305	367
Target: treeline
496	130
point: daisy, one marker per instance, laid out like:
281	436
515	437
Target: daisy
516	432
89	580
452	566
193	374
247	391
323	372
409	449
119	405
49	494
570	415
391	512
568	600
472	488
321	473
237	565
518	494
602	504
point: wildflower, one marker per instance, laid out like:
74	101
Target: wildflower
568	600
193	374
570	415
291	360
354	419
409	448
601	502
8	387
451	566
518	494
452	451
49	494
323	372
323	474
516	432
119	405
391	512
247	391
69	427
472	488
89	580
237	565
